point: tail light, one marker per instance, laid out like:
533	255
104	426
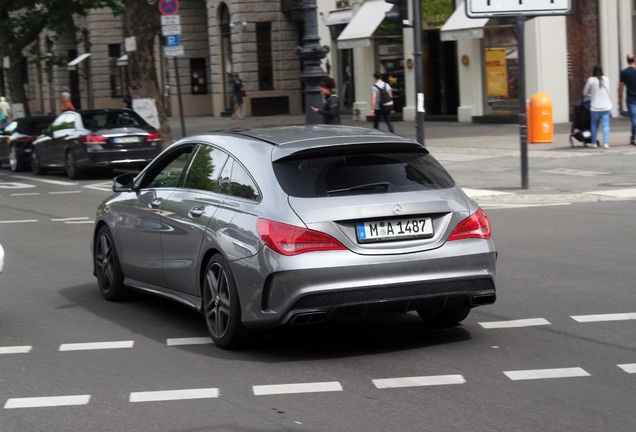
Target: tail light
154	136
292	240
475	226
93	139
26	139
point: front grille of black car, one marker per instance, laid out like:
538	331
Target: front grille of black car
393	292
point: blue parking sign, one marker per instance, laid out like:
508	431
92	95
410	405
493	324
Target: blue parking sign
172	40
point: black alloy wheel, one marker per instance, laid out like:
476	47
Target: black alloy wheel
110	277
221	306
14	161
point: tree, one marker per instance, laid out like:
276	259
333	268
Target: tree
22	22
142	21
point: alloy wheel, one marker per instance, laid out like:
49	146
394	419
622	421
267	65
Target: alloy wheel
217	300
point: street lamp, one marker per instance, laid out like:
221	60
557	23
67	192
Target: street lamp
310	53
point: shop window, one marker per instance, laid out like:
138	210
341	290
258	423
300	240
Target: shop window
264	52
198	76
117	73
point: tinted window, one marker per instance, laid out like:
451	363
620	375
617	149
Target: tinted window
359	172
167	172
36	127
205	169
111	119
242	184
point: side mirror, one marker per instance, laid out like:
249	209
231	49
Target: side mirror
124	183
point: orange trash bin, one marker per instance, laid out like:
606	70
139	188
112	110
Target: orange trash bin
540	125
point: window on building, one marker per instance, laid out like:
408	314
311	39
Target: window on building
198	76
264	52
117	73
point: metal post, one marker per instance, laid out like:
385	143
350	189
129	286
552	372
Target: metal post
310	53
419	74
523	117
176	75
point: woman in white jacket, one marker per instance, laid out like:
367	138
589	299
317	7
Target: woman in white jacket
597	88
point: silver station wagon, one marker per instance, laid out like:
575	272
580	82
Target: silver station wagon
296	225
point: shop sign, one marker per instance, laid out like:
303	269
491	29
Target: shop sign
496	72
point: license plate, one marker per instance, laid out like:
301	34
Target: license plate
394	229
126	140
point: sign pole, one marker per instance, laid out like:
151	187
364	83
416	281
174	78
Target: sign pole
523	114
419	74
176	75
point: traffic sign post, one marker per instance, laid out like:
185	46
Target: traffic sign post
519	11
169	7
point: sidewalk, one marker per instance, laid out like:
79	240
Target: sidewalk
485	159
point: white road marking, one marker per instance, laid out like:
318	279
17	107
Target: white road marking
64	192
51	401
96	346
605	317
169	395
529	322
80	222
420	381
69	219
105	186
474	193
16	349
19	221
278	389
577	172
617	193
629	368
55	182
546	373
493	206
25	194
189	341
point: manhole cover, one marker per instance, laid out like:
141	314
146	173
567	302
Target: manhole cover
619	184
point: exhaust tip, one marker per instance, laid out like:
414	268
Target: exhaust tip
308	318
483	299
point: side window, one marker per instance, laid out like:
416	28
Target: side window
167	172
224	180
242	184
206	166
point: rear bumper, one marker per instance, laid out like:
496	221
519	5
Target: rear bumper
119	157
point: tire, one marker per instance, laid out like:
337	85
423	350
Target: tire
448	317
72	171
36	166
110	277
14	160
221	306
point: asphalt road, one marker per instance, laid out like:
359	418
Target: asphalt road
557	352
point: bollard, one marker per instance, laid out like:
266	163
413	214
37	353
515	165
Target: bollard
540	125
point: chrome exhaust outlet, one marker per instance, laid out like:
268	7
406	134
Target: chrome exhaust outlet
308	318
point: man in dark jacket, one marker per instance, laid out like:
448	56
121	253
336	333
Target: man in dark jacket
331	109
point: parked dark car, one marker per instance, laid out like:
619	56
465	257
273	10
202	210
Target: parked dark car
107	138
17	138
296	225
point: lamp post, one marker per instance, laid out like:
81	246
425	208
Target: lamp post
310	53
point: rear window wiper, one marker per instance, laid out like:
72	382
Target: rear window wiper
369	186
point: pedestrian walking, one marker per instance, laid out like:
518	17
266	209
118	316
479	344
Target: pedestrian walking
598	89
330	111
67	105
5	111
628	82
128	100
379	91
239	92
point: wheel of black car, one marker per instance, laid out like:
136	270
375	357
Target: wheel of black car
36	166
72	171
110	277
447	317
221	306
14	161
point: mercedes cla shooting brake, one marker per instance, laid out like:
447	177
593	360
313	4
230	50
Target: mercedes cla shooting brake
296	225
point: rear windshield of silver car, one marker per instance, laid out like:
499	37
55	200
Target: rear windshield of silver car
343	171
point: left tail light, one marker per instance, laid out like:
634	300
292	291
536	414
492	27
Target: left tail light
26	139
93	139
154	136
475	226
292	240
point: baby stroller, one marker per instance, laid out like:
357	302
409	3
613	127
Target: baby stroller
581	123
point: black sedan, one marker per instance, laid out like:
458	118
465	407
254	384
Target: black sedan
94	139
16	140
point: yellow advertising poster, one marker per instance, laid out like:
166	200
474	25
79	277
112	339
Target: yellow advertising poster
496	72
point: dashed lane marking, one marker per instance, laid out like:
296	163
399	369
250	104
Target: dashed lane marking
477	193
19	221
16	349
188	341
605	317
64	192
25	194
546	373
629	368
171	395
49	181
104	186
515	323
421	381
278	389
50	401
71	219
96	346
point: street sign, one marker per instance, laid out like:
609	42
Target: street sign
168	7
174	51
172	40
507	8
169	20
171	30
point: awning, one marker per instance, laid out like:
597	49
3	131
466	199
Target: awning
459	26
123	60
73	64
339	17
363	24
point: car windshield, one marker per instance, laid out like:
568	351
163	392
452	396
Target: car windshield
360	172
111	119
